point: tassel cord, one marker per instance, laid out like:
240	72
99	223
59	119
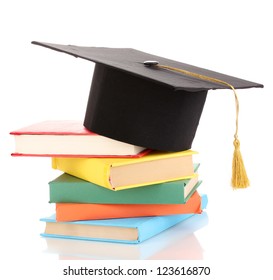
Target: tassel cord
210	79
239	176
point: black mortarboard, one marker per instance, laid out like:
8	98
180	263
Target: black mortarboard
142	103
145	106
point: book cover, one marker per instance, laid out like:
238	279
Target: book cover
126	230
124	173
67	138
70	189
87	211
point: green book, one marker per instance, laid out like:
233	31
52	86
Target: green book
70	189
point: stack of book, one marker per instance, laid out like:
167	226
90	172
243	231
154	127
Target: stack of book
110	190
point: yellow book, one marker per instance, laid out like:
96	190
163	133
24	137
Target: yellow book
124	173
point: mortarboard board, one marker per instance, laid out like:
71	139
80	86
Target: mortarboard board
147	100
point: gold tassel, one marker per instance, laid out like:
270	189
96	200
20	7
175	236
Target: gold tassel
239	177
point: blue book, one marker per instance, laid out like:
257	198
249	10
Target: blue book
126	230
178	242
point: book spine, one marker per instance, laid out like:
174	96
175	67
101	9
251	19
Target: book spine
88	169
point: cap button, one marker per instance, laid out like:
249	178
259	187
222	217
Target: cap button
150	63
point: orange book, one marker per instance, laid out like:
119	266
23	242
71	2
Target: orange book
84	211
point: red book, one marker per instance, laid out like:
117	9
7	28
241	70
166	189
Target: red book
67	138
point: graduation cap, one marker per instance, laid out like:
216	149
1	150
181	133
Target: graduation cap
147	100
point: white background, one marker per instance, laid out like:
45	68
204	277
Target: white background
232	37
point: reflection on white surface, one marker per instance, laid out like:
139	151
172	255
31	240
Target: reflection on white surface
176	243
